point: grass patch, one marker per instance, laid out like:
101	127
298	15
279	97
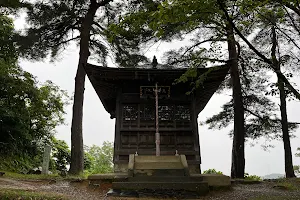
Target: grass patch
285	186
252	177
17	176
30	176
288	183
15	194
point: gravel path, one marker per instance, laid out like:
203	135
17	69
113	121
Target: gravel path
73	190
82	191
253	191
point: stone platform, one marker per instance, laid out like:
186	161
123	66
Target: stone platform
160	173
213	180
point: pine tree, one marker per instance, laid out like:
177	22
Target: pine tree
53	25
274	24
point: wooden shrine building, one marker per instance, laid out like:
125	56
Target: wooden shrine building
127	94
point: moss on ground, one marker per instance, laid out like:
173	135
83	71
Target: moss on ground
13	175
16	194
288	184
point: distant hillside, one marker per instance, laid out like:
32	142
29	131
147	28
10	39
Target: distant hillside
273	176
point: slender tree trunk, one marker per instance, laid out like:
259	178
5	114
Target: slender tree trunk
238	146
288	160
77	153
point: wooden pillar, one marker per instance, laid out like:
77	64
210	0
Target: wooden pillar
117	142
157	136
194	121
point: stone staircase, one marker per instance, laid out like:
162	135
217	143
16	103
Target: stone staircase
161	173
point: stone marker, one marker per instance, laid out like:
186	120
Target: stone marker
46	159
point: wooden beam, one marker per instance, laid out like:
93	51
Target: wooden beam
117	142
194	117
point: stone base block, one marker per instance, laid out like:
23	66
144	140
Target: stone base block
215	180
121	168
108	178
200	187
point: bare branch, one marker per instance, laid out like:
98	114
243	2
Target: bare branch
202	42
99	26
65	41
292	20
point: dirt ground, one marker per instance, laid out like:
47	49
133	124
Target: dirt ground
82	191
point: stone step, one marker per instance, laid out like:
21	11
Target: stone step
158	165
163	179
148	159
159	172
199	187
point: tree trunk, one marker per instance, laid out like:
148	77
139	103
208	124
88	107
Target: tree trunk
288	160
238	146
77	153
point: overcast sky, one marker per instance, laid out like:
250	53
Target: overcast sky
215	144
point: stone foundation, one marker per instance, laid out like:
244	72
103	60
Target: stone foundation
123	168
120	168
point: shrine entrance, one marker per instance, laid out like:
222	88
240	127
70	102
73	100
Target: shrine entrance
156	143
153	115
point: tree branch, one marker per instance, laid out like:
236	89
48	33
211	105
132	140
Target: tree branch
265	59
199	58
98	25
242	36
290	6
292	20
261	118
201	42
65	41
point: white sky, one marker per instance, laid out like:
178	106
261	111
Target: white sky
215	144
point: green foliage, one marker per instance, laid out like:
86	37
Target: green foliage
61	154
29	111
252	177
49	35
172	20
55	176
88	159
8	54
212	171
297	167
20	163
286	186
101	158
18	176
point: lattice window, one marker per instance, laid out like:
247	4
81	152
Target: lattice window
182	113
130	112
130	116
166	112
147	112
147	116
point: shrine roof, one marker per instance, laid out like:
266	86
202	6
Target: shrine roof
107	80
